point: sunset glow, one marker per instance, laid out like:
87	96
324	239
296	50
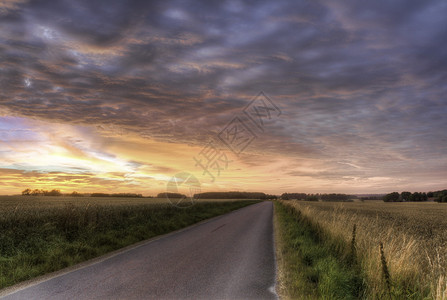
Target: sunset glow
123	98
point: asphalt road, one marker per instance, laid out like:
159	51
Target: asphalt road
228	257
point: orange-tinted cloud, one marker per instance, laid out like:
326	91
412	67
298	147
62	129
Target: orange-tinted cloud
133	92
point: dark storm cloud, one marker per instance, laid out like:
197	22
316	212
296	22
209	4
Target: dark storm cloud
354	79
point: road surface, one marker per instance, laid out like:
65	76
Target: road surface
228	257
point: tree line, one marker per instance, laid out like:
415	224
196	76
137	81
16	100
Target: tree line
221	195
234	195
439	196
56	192
405	197
37	192
317	197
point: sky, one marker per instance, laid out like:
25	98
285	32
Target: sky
272	96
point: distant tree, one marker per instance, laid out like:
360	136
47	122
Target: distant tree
37	192
285	196
312	198
440	196
405	196
391	197
53	192
26	192
335	197
76	194
430	194
300	196
418	197
127	195
372	197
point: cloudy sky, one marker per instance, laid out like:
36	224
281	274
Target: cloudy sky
119	96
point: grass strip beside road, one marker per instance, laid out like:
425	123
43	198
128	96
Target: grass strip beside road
312	265
37	241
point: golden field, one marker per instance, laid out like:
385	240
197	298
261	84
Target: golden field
414	237
24	202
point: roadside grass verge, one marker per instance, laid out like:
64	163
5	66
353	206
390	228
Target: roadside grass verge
36	241
314	265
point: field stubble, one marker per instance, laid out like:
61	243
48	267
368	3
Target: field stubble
414	238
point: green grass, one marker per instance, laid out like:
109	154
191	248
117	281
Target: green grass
37	240
313	266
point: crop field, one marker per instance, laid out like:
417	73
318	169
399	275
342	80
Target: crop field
44	234
414	239
19	202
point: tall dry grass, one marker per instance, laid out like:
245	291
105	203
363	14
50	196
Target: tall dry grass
414	243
